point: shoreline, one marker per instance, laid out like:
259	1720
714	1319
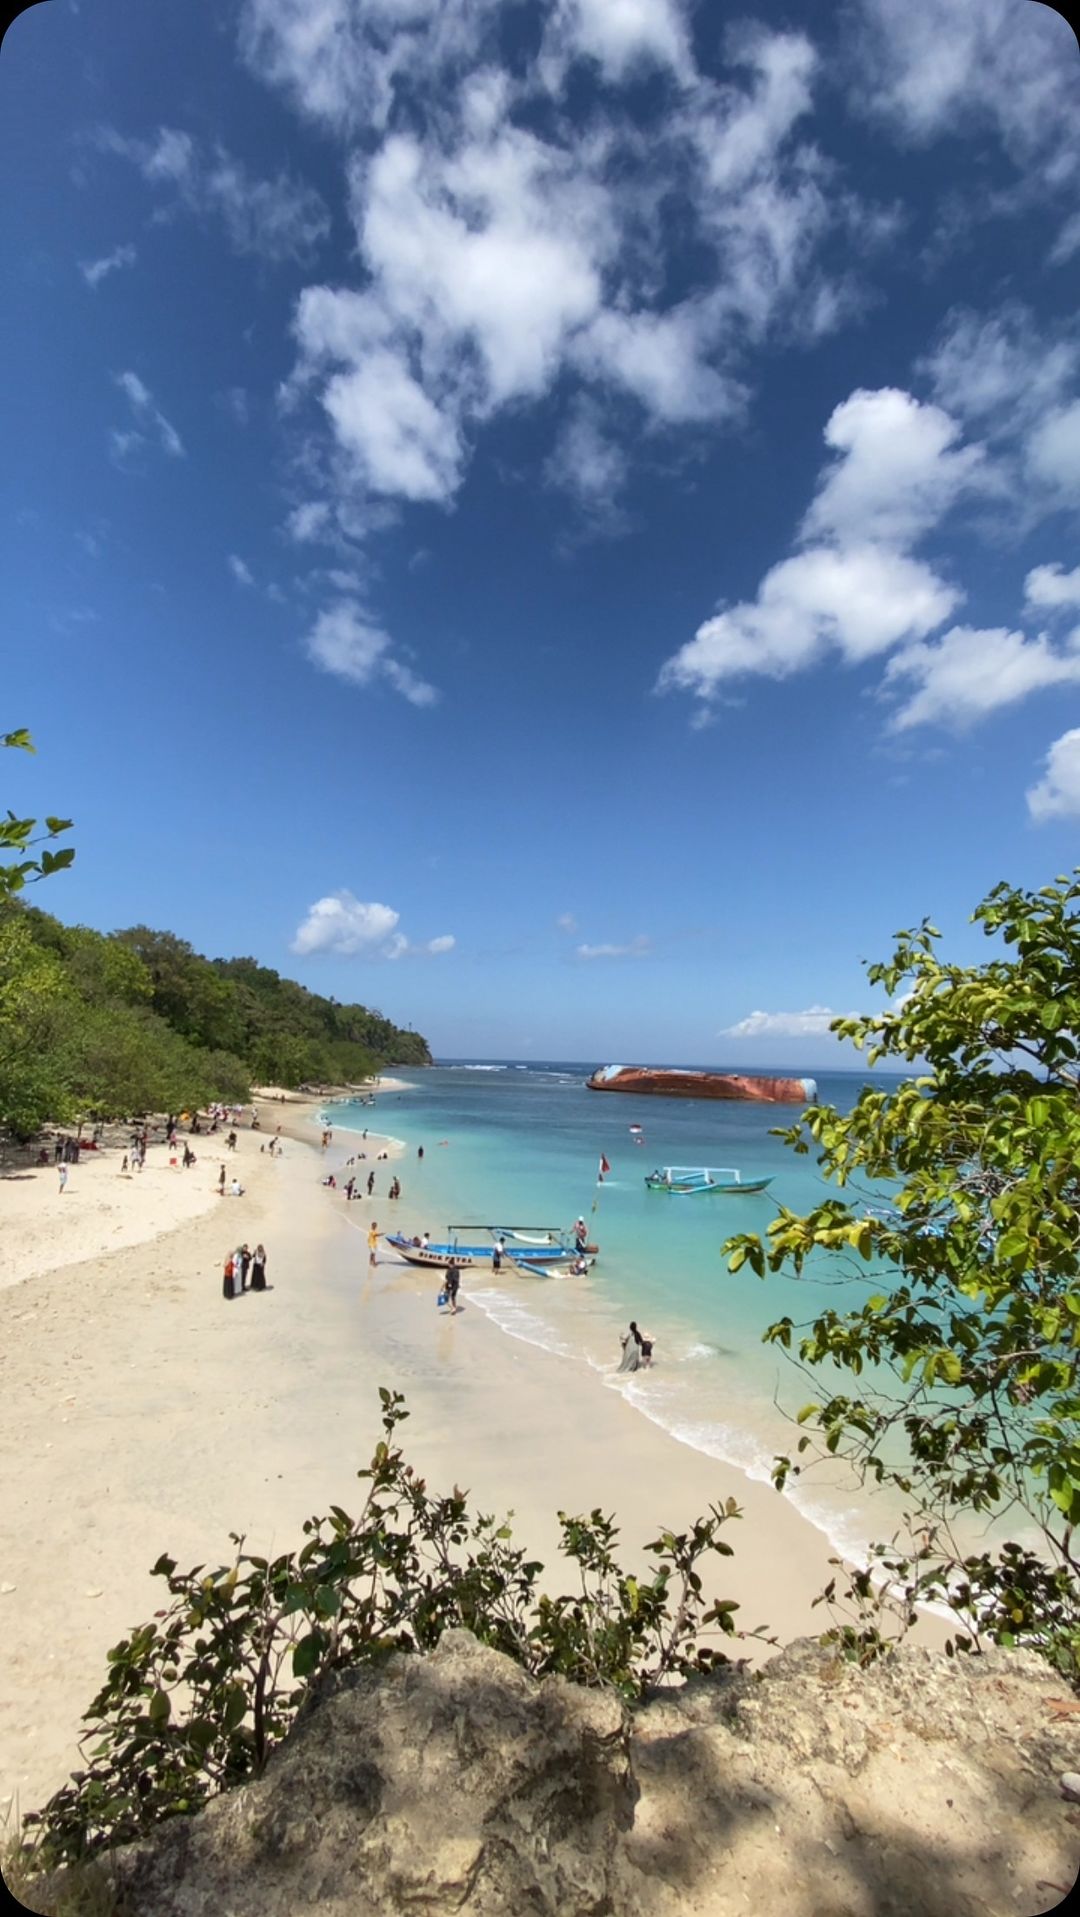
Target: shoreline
143	1413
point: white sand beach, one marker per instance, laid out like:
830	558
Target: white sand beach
142	1412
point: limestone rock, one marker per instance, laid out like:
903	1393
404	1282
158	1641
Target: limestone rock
922	1787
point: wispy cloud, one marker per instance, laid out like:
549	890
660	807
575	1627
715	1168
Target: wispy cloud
344	924
241	572
637	948
566	922
276	219
346	642
94	271
811	1023
148	418
1057	794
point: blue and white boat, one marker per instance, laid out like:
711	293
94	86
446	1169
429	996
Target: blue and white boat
523	1246
685	1181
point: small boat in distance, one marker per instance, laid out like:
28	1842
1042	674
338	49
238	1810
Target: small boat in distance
692	1180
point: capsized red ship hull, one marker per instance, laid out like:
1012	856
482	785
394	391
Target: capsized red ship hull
678	1084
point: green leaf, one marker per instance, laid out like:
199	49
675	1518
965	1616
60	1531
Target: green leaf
307	1654
160	1708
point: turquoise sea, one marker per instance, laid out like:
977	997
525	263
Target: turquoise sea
516	1143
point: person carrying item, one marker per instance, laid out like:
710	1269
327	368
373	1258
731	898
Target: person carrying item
451	1286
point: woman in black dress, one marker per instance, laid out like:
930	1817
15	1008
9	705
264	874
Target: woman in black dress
258	1269
227	1286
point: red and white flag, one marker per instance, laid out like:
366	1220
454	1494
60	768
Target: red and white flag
604	1166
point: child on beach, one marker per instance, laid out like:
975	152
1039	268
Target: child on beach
63	1171
373	1244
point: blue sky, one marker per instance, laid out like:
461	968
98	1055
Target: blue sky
555	520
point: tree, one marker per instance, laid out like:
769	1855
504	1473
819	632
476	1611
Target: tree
18	835
972	1324
36	1010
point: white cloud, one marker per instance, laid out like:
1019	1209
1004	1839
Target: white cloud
240	572
1049	586
341	61
746	140
566	922
998	371
345	642
637	948
341	923
967	674
1054	451
497	259
1017	383
859	591
1057	794
662	359
94	271
276	219
311	520
619	35
146	413
898	469
589	465
400	441
859	602
815	1020
934	68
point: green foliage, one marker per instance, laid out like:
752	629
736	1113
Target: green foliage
36	1005
286	1034
20	835
974	1313
196	1700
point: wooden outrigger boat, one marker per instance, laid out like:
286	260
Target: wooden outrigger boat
529	1248
684	1181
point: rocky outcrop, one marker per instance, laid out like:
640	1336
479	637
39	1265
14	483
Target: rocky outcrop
453	1783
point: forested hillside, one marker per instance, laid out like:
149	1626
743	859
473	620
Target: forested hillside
95	1024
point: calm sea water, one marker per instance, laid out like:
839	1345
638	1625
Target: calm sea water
520	1143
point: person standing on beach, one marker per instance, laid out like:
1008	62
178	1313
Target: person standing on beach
373	1245
221	1182
258	1269
631	1349
497	1254
451	1286
228	1289
62	1171
245	1260
370	1183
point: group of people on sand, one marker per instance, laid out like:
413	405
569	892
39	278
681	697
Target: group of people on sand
238	1264
235	1188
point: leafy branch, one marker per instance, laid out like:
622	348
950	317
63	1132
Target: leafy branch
195	1700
